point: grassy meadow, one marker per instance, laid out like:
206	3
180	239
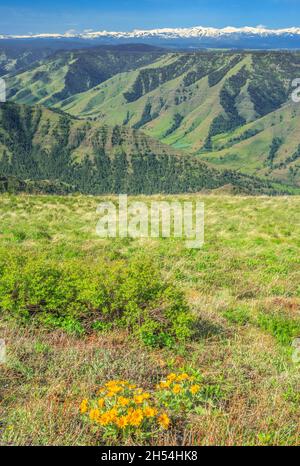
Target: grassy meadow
241	292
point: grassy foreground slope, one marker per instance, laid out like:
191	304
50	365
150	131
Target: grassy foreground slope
242	287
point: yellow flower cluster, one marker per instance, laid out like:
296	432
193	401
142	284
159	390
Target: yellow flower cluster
124	407
179	383
179	393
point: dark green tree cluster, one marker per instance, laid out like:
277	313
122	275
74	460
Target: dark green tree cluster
230	119
216	76
274	148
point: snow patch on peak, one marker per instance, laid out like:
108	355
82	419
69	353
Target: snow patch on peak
169	33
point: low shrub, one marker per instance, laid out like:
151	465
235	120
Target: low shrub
78	296
282	327
239	315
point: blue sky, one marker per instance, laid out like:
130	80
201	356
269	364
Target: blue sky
35	16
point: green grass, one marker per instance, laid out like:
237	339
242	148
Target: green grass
242	289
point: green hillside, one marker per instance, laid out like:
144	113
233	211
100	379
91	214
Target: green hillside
66	73
269	146
233	110
14	58
40	144
201	110
152	98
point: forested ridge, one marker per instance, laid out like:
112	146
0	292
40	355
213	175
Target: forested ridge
39	144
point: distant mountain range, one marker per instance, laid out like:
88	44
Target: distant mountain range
229	37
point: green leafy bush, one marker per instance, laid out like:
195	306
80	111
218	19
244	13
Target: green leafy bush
75	295
283	328
238	315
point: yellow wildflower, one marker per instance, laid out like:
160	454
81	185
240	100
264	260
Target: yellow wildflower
111	382
112	385
135	417
177	389
94	414
164	384
171	377
122	401
113	391
104	419
121	382
141	398
194	389
84	406
113	413
150	412
101	402
122	422
108	417
182	377
164	420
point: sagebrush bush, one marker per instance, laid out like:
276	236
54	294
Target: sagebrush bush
77	295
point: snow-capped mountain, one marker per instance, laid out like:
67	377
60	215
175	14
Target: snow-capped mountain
257	37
